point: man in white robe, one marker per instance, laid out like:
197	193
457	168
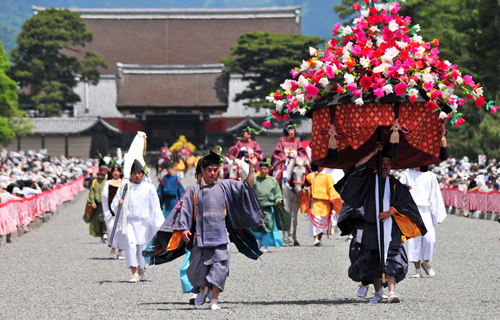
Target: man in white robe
140	220
425	191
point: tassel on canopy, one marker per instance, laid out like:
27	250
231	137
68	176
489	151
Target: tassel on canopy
393	148
332	145
443	151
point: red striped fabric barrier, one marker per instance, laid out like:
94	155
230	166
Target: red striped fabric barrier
472	200
15	213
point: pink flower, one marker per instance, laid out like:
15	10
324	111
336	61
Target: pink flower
431	105
351	86
455	75
468	80
379	92
340	89
494	109
428	86
311	91
461	102
267	124
400	88
329	72
294	73
436	94
459	121
357	93
356	50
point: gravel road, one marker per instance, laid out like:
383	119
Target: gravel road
60	272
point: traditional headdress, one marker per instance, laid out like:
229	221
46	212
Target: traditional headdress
265	162
137	167
250	131
214	158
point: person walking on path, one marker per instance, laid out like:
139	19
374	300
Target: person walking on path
108	194
269	194
170	190
139	220
400	217
97	226
425	191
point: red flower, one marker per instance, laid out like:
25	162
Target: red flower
413	98
356	7
278	96
435	42
479	102
436	94
294	85
340	89
400	88
431	105
366	82
459	121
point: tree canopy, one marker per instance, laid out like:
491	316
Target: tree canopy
468	34
265	60
11	118
49	58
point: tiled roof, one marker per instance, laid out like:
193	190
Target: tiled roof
187	14
305	127
180	88
60	126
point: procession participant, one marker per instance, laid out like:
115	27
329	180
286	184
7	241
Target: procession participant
212	204
246	146
170	190
269	194
179	167
425	191
359	189
321	201
97	225
288	146
191	161
108	194
140	218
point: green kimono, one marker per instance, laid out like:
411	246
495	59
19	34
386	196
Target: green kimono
97	225
268	192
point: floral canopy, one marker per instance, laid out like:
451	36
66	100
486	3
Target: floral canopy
379	73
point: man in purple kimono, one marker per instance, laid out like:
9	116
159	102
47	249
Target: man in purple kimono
246	147
288	146
202	206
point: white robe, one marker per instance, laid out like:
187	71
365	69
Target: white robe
144	217
108	218
426	193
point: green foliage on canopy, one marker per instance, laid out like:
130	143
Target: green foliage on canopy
49	55
468	34
11	121
265	60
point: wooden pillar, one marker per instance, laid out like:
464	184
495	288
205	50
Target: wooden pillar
43	142
66	146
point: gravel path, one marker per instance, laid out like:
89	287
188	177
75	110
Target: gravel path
60	272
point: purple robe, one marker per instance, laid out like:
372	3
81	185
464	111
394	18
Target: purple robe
287	147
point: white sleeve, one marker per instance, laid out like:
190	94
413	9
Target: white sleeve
436	203
105	206
155	214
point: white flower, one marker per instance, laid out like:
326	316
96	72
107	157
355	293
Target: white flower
364	62
323	81
298	91
442	115
380	40
333	66
460	80
270	99
479	91
347	47
418	75
391	53
359	102
300	97
348	78
401	71
347	31
385	6
302	111
302	81
369	44
379	6
417	39
279	105
387	89
392	5
402	44
318	65
393	25
312	51
345	57
381	68
412	83
448	91
374	29
304	66
448	63
365	13
454	107
414	92
417	27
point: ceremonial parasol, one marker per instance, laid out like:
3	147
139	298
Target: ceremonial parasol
379	81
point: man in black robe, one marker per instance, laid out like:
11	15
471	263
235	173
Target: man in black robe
359	189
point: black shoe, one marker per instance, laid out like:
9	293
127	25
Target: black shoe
296	243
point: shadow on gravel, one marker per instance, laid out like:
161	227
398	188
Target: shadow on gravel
268	303
101	258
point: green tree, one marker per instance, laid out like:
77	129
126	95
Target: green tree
265	60
12	122
49	56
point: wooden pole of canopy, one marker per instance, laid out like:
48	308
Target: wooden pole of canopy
381	205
